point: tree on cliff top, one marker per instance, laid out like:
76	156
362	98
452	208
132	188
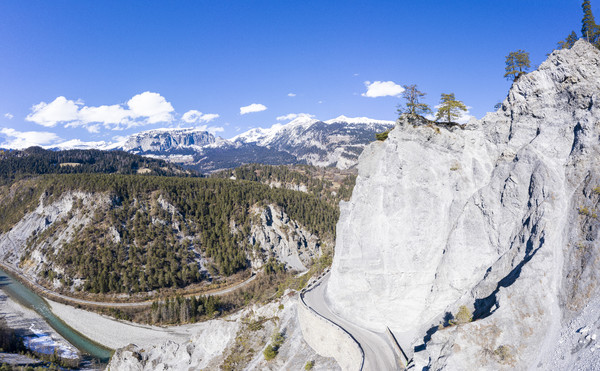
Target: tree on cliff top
450	108
517	64
589	28
568	42
413	106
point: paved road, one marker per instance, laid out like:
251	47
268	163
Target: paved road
52	295
379	354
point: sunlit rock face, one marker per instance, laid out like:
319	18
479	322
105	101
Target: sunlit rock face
489	216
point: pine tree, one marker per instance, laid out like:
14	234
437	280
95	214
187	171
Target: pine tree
517	64
589	29
449	108
414	106
568	42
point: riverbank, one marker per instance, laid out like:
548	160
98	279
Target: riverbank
37	334
114	333
216	290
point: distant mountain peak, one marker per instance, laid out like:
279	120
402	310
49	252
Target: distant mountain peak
305	139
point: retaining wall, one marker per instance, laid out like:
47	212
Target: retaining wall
328	339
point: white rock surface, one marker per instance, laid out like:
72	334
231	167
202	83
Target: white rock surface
164	140
276	235
13	242
213	341
489	217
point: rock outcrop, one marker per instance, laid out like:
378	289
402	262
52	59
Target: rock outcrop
275	235
499	217
164	141
234	343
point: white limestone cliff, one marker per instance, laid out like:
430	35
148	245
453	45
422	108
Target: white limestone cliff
275	235
491	217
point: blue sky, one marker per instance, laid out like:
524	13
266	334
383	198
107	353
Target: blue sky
102	70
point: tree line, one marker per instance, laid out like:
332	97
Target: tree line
35	160
328	184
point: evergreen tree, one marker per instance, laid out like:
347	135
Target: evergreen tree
517	64
449	108
589	29
568	42
414	106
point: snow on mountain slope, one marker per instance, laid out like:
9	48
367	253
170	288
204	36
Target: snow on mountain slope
304	140
164	140
336	142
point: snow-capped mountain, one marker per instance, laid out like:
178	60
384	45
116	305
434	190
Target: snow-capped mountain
163	141
305	140
336	142
79	144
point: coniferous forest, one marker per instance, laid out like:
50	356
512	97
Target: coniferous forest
135	233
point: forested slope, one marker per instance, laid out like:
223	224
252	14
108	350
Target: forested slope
132	233
36	160
327	183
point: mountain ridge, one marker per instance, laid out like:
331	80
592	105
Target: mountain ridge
304	140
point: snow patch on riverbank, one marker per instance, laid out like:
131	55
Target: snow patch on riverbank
42	337
43	342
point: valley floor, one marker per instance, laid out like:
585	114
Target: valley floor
38	335
114	333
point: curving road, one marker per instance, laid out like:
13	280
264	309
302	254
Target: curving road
379	353
52	294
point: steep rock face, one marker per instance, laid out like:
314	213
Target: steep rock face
275	235
488	217
14	242
166	140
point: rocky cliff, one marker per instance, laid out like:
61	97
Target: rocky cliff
275	235
168	140
499	217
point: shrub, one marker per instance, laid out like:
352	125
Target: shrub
270	352
584	211
272	349
463	315
309	365
382	136
504	353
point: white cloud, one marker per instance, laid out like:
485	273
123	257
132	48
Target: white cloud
382	89
120	138
19	139
356	74
142	109
211	129
194	116
254	107
8	115
151	105
291	95
215	129
50	114
94	129
107	115
291	116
